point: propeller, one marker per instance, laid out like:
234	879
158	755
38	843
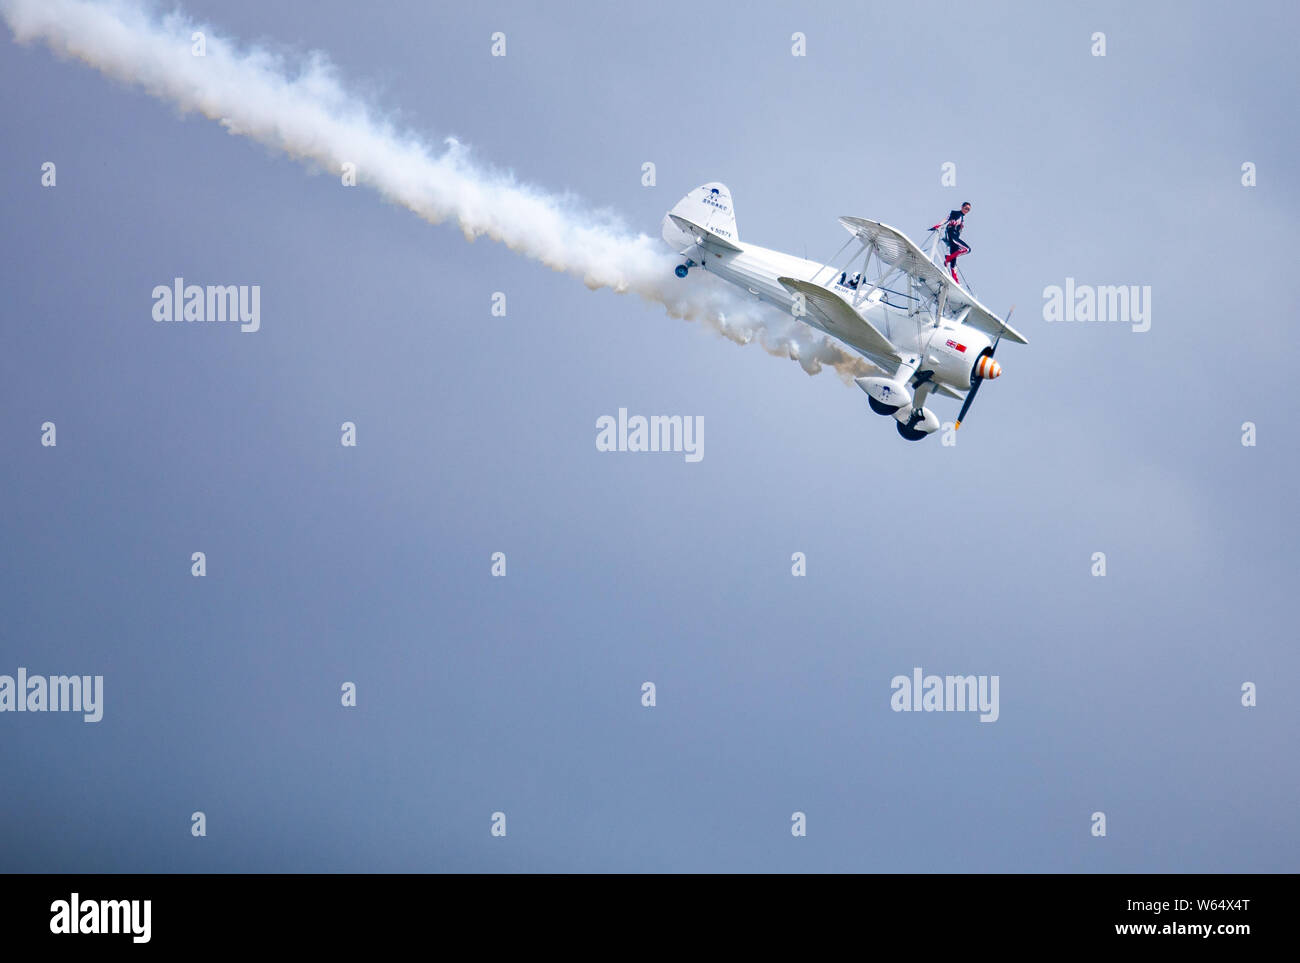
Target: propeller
985	367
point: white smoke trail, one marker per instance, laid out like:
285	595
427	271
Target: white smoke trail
306	113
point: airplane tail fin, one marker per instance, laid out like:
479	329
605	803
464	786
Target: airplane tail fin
704	211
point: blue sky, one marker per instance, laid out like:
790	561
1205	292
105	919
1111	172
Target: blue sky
476	435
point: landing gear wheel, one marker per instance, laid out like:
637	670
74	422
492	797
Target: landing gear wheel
681	271
911	434
880	408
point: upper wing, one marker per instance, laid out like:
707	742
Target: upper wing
842	321
896	249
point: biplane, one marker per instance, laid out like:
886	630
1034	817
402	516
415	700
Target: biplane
887	299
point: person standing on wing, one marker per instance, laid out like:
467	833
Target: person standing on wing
952	236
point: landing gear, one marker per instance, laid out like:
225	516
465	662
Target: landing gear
681	270
880	407
918	421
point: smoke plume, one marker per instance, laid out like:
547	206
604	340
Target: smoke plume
304	110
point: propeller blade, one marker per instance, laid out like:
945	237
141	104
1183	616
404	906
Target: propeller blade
965	405
976	382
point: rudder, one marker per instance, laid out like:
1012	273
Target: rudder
708	206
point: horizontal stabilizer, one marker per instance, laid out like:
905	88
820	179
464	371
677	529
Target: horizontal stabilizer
702	234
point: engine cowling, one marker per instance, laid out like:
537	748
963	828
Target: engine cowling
954	352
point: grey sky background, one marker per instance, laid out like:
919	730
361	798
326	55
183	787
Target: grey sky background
476	434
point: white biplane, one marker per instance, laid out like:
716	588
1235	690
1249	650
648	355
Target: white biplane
898	308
